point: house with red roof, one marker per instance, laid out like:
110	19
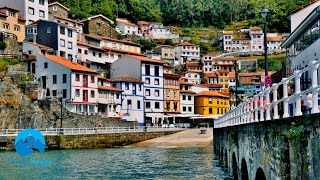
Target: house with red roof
125	27
77	85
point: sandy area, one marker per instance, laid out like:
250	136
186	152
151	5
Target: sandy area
187	138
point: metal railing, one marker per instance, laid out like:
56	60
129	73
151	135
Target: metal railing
265	105
97	130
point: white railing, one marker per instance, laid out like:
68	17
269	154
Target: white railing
265	105
97	130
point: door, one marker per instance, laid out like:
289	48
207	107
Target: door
85	80
33	68
85	95
44	82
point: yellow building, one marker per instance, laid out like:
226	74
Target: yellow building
172	93
209	103
223	78
11	22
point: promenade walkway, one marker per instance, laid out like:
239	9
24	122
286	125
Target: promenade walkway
187	138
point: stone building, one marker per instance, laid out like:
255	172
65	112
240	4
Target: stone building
99	25
58	9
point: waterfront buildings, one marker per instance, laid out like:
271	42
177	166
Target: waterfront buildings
30	10
172	93
109	102
77	85
150	71
132	100
186	97
11	22
186	52
210	103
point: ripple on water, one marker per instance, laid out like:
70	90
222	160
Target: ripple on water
118	163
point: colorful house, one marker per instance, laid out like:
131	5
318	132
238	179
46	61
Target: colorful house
11	22
172	93
210	103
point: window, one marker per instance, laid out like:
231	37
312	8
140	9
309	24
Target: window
79	50
85	51
184	109
54	79
189	98
139	87
174	94
31	11
147	70
62	43
6	26
127	86
210	110
119	56
217	101
11	14
54	93
218	111
138	105
147	92
69	33
70	56
168	93
92	79
100	55
16	28
41	14
156	93
147	80
183	97
148	105
157	105
210	100
129	103
77	77
190	109
49	30
156	81
156	70
92	94
69	45
64	93
77	92
45	65
111	56
62	30
41	2
64	78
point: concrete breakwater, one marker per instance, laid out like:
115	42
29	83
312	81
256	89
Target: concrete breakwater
88	141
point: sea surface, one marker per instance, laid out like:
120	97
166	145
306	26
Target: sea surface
114	163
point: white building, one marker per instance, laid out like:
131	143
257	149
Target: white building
76	84
194	76
158	31
124	27
150	71
185	52
302	46
299	14
227	40
67	21
186	97
256	35
274	43
30	10
109	99
207	63
132	102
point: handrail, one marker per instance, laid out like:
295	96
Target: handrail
96	130
251	112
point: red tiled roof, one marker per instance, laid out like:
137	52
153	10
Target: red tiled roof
3	14
146	59
171	76
126	79
251	74
227	32
241	38
224	59
232	74
67	63
195	71
67	19
41	46
211	94
101	77
274	39
211	75
187	44
126	22
209	85
109	88
187	91
184	83
255	28
222	71
143	22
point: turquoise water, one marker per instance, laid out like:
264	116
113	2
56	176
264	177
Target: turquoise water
115	163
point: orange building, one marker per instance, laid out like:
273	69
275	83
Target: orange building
11	22
172	93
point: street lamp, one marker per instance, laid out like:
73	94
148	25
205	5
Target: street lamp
264	13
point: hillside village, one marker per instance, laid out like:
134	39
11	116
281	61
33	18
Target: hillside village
93	72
